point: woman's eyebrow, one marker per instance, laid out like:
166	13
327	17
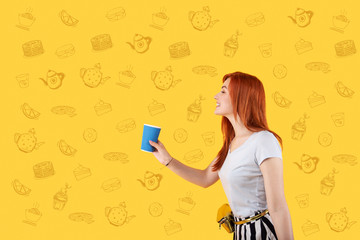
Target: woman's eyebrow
224	87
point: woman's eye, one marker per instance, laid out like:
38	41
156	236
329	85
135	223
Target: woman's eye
222	91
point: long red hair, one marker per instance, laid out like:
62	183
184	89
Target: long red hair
248	100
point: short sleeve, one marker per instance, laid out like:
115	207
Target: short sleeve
267	146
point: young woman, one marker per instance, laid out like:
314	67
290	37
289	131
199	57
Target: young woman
249	163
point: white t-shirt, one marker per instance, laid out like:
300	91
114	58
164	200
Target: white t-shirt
241	176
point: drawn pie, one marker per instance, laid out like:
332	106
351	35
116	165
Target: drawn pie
81	172
61	110
345	158
172	227
81	217
116	156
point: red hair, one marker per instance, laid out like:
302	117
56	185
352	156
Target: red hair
248	100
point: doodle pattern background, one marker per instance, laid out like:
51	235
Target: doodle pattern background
242	30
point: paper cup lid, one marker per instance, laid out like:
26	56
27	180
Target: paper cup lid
152	126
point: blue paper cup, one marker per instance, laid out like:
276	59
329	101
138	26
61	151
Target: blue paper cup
149	133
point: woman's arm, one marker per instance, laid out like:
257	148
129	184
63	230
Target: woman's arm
203	178
272	171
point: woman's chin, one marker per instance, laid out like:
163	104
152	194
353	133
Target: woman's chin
217	113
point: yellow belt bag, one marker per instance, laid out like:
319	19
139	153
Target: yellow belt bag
225	218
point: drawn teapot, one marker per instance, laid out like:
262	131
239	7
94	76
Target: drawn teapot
338	221
302	17
151	180
163	80
53	79
140	43
308	163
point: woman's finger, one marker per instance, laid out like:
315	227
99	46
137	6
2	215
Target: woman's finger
154	144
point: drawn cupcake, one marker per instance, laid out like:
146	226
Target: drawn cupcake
299	128
61	198
231	45
194	110
328	183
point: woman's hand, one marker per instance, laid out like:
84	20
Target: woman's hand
160	152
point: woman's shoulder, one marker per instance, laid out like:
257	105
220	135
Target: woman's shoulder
265	132
265	136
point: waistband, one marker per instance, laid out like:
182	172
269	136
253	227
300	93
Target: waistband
258	214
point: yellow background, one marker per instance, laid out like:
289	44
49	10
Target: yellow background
206	49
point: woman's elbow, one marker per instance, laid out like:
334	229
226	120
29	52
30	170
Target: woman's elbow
203	184
208	178
277	205
207	184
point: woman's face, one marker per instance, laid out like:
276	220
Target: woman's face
223	101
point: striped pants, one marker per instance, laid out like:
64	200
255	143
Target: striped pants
259	229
